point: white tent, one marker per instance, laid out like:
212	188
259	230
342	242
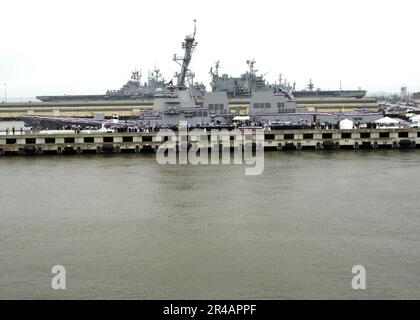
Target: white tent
346	124
415	117
415	121
241	118
388	122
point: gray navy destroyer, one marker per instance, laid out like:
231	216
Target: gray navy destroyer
249	82
235	87
178	102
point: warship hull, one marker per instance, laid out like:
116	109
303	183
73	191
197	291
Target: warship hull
358	94
95	97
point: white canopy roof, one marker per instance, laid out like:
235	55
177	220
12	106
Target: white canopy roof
415	117
346	124
387	120
241	118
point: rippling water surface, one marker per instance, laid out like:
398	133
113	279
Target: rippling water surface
127	227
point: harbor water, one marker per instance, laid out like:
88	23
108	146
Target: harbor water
125	227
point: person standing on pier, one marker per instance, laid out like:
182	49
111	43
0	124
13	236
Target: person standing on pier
13	130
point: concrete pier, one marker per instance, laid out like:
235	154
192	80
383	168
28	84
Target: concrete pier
66	141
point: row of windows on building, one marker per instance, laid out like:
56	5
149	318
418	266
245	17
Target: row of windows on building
199	113
266	105
216	107
280	107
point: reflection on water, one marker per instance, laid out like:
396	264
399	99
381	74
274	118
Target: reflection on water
127	227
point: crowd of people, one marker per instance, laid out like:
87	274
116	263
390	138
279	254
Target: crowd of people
208	126
13	131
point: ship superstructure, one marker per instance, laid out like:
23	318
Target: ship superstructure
242	86
134	89
186	101
177	103
235	87
250	81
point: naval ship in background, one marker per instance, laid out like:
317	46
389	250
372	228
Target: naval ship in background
235	87
243	86
132	90
175	103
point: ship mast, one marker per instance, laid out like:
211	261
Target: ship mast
251	64
136	75
188	45
311	85
251	75
216	67
157	74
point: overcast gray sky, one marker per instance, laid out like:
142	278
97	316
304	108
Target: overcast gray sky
89	46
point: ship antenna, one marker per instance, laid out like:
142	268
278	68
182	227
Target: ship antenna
216	67
188	45
310	85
